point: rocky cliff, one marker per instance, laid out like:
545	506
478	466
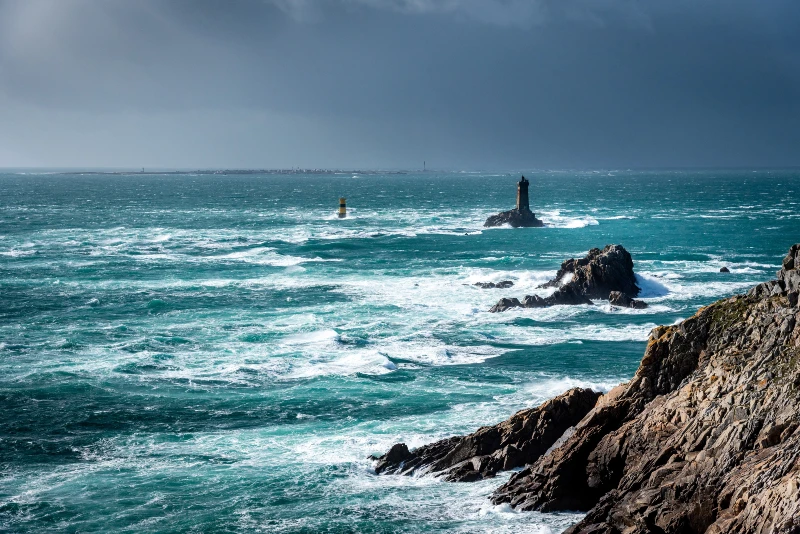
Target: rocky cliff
703	439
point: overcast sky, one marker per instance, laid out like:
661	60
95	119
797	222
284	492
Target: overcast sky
463	84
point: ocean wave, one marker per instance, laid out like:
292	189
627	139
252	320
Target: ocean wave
363	362
651	286
327	336
555	219
16	253
536	335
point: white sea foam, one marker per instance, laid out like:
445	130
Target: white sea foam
556	219
536	335
352	362
661	286
319	336
651	286
16	253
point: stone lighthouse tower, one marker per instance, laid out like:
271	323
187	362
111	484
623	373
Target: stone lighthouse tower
521	215
522	195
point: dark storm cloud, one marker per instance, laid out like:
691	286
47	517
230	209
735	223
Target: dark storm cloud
387	83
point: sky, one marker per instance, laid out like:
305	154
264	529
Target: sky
388	84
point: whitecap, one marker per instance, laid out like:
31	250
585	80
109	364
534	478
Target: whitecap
317	336
363	362
555	219
650	286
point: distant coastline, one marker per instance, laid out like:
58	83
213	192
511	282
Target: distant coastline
234	171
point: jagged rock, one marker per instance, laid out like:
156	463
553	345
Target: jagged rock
617	298
396	456
492	285
564	296
792	260
504	304
515	218
599	273
513	443
704	438
595	276
534	301
567	295
724	270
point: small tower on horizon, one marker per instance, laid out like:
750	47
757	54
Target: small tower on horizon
522	195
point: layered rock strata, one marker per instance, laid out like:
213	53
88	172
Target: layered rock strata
513	443
703	439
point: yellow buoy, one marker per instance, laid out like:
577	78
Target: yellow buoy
342	208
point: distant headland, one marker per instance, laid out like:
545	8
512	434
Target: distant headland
232	171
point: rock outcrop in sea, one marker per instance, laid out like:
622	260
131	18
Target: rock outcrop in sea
601	274
705	438
515	218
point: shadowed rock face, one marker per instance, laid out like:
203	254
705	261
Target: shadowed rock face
704	439
617	298
513	443
595	276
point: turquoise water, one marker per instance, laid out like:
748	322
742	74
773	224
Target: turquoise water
221	353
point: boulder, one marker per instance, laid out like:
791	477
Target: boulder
515	218
504	304
513	443
534	301
724	270
705	438
617	298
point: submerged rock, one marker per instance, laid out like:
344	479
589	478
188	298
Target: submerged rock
724	270
513	443
596	275
494	285
704	438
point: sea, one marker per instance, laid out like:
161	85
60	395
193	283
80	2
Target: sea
221	353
